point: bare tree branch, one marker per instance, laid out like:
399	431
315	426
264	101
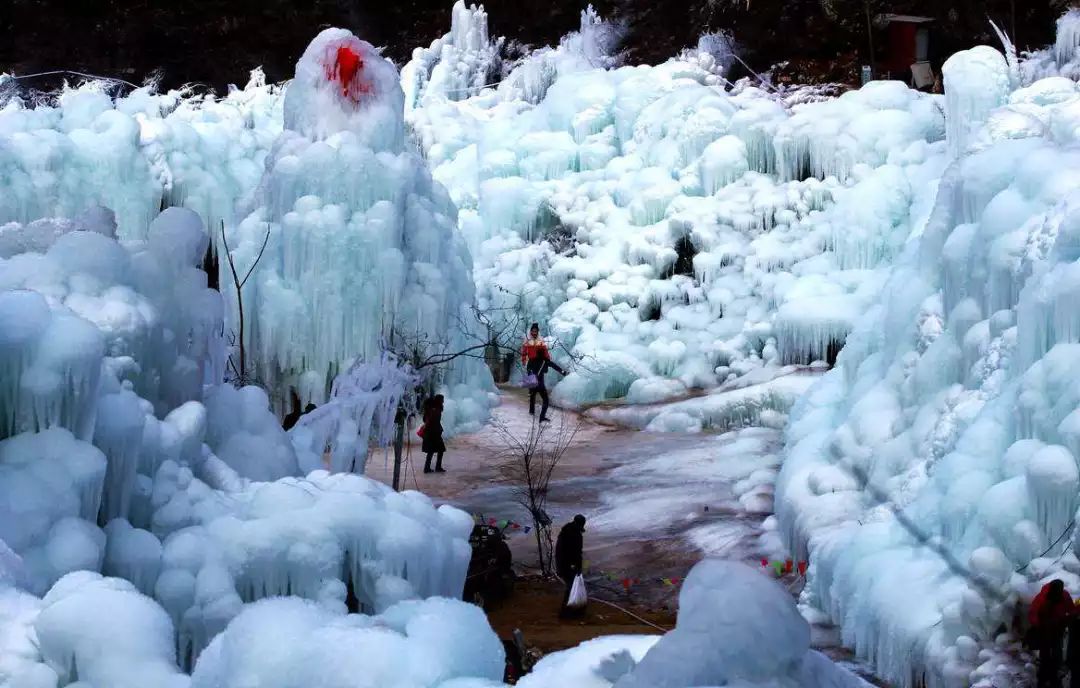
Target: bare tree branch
527	464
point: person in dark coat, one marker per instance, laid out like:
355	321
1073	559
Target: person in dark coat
1050	613
294	415
536	359
433	433
569	549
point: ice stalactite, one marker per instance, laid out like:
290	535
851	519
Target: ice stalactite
119	434
132	554
1053	482
811	330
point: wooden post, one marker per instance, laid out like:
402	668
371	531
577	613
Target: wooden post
869	36
399	442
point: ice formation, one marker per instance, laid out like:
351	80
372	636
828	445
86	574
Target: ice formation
135	154
362	411
361	248
121	450
372	216
671	234
319	538
288	643
195	509
954	400
456	66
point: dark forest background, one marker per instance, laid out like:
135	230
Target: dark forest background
216	42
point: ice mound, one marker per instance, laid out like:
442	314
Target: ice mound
319	538
243	432
955	397
595	663
735	628
666	229
343	85
101	631
287	643
51	487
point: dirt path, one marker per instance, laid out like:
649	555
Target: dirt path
657	503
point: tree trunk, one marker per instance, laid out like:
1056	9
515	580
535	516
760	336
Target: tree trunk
870	38
544	568
399	442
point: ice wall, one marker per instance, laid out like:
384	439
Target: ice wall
953	402
671	234
90	325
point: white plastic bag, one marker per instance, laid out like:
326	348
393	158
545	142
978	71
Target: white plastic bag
530	381
578	597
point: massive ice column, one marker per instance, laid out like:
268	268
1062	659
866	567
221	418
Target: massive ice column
362	250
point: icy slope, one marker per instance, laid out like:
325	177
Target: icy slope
667	229
955	400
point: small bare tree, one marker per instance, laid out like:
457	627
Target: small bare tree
241	370
527	464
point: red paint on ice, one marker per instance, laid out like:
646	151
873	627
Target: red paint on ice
348	63
348	69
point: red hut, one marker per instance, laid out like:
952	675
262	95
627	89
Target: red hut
907	49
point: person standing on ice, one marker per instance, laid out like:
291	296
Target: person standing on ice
569	553
1049	616
536	359
433	433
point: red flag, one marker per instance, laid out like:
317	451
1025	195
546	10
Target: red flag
802	568
788	566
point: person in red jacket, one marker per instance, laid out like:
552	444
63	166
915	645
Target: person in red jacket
1049	616
536	359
